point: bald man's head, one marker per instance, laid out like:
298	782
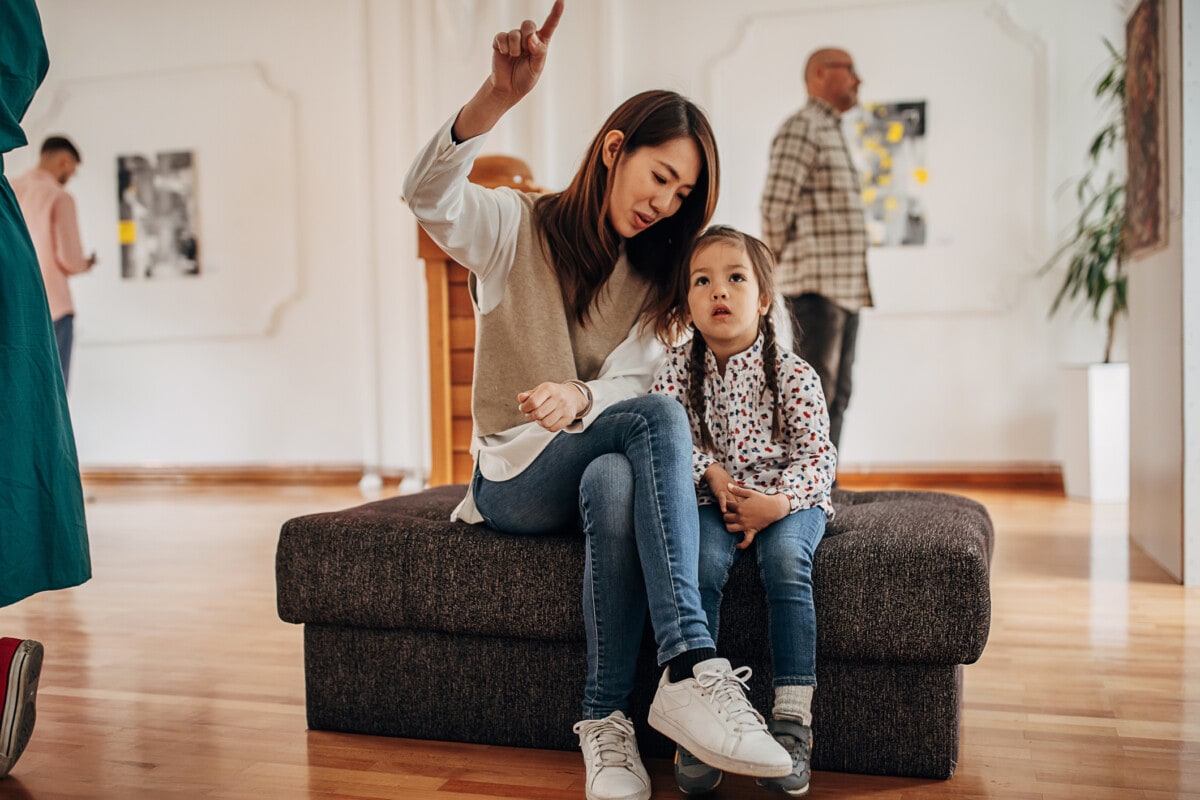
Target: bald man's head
830	75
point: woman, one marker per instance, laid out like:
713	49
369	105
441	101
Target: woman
43	534
572	292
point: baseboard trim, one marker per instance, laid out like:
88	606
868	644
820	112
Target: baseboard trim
1041	478
258	475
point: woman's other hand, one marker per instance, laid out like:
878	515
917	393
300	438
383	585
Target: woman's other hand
554	406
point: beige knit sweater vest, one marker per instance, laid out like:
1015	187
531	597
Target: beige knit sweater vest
531	338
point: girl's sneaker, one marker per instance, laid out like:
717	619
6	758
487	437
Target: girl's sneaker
692	775
797	739
20	668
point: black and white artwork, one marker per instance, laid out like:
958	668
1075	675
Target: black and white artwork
156	197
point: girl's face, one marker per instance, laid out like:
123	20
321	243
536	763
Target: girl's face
724	301
650	183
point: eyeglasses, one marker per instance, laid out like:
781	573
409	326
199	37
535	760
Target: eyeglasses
843	65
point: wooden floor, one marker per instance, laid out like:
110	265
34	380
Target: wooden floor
169	675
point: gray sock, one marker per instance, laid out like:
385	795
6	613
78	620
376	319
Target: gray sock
794	703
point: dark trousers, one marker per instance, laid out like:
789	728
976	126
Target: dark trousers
64	334
826	335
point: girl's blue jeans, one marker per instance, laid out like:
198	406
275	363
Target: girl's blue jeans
785	557
626	482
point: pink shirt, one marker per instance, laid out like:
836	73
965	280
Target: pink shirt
50	214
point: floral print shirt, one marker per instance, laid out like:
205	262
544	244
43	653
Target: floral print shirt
739	410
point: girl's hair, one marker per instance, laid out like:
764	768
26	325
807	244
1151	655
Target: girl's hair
574	223
763	264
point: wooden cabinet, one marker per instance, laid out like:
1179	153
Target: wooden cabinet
452	335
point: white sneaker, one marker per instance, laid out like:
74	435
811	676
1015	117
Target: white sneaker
710	716
614	766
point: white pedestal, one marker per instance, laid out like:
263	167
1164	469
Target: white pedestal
1093	425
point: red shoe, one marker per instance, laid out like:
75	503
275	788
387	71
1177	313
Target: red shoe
20	668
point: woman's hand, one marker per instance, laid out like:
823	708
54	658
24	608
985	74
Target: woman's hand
749	511
518	57
554	406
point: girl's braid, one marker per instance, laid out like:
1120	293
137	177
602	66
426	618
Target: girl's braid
696	401
771	374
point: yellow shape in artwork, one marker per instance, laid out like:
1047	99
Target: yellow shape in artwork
869	194
921	175
891	203
126	231
884	180
895	132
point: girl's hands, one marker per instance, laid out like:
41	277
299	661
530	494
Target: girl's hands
554	406
749	511
518	56
719	482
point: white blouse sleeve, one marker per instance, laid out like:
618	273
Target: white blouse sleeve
627	372
476	226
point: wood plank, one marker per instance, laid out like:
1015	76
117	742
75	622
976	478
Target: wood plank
462	433
440	339
464	466
461	333
460	401
462	366
460	301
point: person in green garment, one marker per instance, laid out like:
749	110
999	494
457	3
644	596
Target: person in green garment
43	533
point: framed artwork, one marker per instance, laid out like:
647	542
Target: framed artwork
156	204
890	143
1145	131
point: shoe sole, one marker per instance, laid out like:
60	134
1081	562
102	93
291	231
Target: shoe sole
20	709
780	789
711	757
697	792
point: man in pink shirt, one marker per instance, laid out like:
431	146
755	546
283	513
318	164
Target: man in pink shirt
50	215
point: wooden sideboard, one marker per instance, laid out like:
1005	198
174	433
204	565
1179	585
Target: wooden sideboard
452	335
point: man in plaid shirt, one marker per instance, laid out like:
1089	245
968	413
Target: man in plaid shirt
813	222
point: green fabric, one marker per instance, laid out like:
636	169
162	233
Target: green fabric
43	533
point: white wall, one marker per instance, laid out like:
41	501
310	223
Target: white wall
957	363
1190	39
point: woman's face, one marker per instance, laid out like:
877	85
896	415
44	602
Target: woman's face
650	183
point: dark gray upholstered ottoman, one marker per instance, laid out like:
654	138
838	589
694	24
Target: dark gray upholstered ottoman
419	627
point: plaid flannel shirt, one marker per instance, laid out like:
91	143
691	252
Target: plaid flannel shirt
812	210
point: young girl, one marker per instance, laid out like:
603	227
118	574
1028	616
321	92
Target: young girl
763	466
569	290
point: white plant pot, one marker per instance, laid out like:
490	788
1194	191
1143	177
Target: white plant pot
1093	429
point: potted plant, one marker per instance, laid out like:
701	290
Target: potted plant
1094	398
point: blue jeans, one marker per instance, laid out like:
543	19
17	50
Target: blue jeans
64	335
785	558
627	483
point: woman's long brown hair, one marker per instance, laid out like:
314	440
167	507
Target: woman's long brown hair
580	241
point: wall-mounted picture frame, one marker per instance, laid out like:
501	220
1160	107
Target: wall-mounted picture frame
889	140
1145	132
156	204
